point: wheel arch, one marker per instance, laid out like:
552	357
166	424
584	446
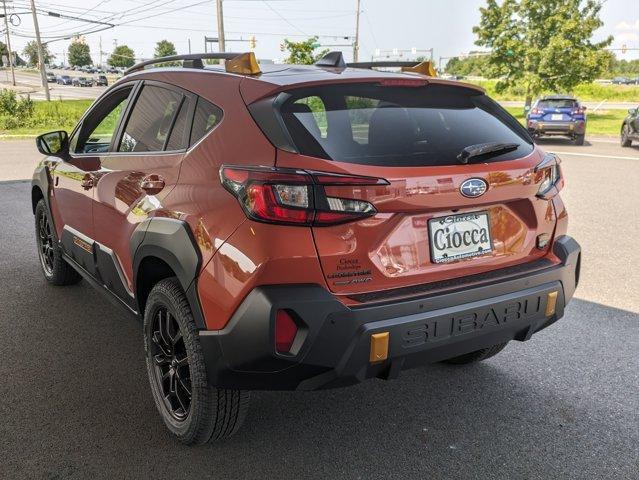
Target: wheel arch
161	248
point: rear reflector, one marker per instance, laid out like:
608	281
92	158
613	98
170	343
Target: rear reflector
285	331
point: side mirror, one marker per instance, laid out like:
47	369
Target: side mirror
632	111
526	108
584	108
53	143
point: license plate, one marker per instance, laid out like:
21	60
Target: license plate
459	236
556	116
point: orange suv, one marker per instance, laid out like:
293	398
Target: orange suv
302	227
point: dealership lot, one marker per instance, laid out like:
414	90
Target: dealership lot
76	401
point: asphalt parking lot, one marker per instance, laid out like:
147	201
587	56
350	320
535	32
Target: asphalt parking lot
75	401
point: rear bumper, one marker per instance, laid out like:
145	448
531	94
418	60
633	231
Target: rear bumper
334	344
540	127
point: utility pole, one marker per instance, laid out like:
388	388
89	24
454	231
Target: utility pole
9	52
220	26
43	74
100	64
356	43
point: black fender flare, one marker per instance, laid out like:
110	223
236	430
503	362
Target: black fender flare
171	241
42	180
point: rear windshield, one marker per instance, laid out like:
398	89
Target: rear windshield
398	126
557	103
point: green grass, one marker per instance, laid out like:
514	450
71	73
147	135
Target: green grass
594	92
54	115
605	122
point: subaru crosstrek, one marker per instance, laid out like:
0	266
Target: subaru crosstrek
302	227
558	115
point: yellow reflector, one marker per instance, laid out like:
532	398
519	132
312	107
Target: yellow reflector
424	68
551	304
245	64
379	347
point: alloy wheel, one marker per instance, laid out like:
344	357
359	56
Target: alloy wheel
171	364
45	244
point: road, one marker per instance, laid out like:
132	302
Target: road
76	404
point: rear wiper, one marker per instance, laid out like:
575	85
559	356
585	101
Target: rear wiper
481	149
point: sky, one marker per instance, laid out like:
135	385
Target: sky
385	25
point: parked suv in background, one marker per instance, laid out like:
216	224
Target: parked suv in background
630	128
82	82
64	80
558	115
101	81
302	227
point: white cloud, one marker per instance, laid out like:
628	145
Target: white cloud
627	37
628	26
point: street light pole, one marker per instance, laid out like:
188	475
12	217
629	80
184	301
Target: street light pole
220	26
9	53
43	74
356	43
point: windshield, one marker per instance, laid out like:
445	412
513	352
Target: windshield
398	126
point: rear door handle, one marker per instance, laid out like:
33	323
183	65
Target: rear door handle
152	184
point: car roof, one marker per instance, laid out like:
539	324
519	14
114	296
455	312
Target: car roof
558	97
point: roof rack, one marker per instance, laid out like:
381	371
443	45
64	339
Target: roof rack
336	59
243	63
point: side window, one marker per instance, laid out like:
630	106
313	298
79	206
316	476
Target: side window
206	117
151	120
99	126
178	139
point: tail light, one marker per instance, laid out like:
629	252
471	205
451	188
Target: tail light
548	176
536	111
579	111
295	197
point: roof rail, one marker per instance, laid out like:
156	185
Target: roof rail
245	62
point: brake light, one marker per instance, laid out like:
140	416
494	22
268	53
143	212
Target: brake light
295	197
548	175
535	111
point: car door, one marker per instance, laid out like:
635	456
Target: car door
634	123
136	175
74	178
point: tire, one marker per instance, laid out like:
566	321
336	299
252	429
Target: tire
579	139
625	140
54	268
175	364
477	355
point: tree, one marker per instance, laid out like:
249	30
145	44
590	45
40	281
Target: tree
542	45
303	52
164	48
31	52
79	54
122	56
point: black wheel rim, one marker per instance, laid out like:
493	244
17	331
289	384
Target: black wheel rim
45	243
171	364
624	135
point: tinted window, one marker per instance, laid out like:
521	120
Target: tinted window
151	120
398	126
177	138
206	117
557	103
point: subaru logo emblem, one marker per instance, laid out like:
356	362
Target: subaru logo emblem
473	187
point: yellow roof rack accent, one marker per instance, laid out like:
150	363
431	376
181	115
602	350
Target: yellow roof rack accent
244	64
424	68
